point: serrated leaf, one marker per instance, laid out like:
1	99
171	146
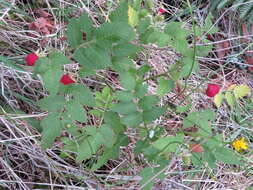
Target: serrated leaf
141	90
93	57
74	112
161	39
52	103
127	81
51	129
241	90
143	25
88	147
113	120
226	156
182	109
209	157
95	139
122	65
125	96
176	30
120	14
202	120
218	98
124	107
147	102
230	98
164	86
125	50
108	136
76	28
154	113
110	153
168	144
83	95
115	32
133	17
51	70
132	120
187	68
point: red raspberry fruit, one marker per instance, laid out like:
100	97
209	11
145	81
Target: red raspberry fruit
161	11
66	79
212	90
31	59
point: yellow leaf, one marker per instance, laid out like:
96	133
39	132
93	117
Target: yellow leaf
132	17
218	99
241	90
231	87
230	98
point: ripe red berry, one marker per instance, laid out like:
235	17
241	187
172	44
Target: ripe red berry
66	79
31	59
212	90
161	11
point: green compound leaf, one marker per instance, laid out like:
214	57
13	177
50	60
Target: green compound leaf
113	120
147	102
83	95
120	14
115	32
88	147
74	112
51	129
143	25
94	140
132	120
202	120
127	81
93	57
52	103
125	50
124	96
110	153
226	156
154	113
77	29
168	144
176	30
165	86
124	107
51	70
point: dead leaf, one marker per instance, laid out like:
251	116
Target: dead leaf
42	13
249	61
42	25
196	148
222	49
245	32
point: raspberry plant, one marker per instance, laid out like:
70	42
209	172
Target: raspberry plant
114	46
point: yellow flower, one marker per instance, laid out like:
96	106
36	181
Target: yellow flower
240	144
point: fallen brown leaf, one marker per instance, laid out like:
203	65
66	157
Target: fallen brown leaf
196	148
42	25
249	61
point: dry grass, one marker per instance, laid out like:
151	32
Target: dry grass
24	165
